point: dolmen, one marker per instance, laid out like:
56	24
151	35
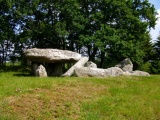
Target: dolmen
51	59
50	62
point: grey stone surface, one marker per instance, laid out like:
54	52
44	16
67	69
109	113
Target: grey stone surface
137	73
51	55
90	64
126	65
53	60
41	71
97	72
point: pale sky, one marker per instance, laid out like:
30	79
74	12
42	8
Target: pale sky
156	32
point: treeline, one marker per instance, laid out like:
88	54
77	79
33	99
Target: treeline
107	31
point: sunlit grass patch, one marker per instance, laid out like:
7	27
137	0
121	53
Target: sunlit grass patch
123	97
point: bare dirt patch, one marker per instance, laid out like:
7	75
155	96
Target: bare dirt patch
62	101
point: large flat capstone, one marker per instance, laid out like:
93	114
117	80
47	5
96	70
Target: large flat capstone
51	55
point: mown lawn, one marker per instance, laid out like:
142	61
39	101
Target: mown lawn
114	98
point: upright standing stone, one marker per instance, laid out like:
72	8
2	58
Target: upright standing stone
41	71
126	65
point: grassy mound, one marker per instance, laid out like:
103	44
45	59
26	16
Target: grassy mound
24	97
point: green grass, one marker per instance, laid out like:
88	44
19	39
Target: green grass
114	98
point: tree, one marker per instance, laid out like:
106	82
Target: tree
105	30
156	62
118	34
157	47
6	30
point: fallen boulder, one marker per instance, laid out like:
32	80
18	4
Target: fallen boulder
97	72
137	73
90	64
79	64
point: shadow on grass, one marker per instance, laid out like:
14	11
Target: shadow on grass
11	68
23	75
19	71
15	68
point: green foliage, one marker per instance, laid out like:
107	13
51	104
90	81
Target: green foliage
155	67
104	30
157	47
146	67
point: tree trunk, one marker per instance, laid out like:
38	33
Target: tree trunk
92	56
102	59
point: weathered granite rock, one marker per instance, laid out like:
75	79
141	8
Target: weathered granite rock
79	64
140	73
137	73
51	55
41	71
90	64
97	72
126	65
127	73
